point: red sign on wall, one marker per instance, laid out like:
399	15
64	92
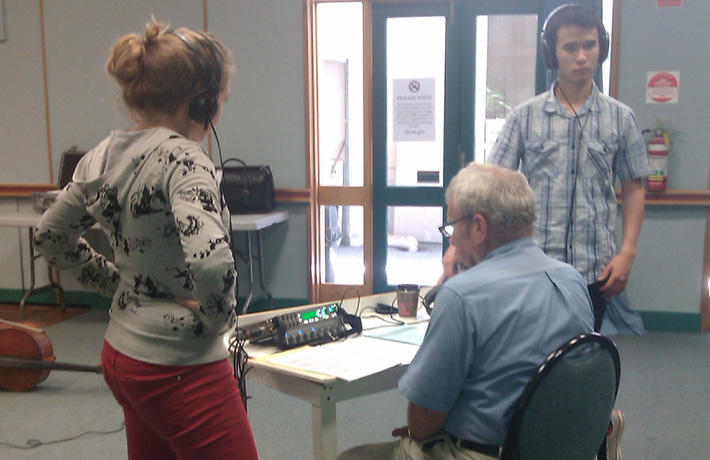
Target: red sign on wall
669	3
662	87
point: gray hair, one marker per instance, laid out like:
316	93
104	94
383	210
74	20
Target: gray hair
503	196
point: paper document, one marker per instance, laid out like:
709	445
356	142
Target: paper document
408	333
350	359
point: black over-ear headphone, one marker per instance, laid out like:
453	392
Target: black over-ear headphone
549	54
205	104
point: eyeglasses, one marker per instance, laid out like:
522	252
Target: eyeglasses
448	229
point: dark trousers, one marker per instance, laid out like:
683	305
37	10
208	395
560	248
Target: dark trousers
598	302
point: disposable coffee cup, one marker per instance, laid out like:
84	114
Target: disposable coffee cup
407	300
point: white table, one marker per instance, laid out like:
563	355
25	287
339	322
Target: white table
248	224
322	391
29	220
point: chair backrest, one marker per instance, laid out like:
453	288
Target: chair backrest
564	411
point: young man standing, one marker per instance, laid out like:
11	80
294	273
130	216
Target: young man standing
573	143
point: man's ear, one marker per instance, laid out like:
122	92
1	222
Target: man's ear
479	228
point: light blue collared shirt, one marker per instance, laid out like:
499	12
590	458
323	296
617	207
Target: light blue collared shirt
491	327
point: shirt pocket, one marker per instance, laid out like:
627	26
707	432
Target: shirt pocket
600	161
542	160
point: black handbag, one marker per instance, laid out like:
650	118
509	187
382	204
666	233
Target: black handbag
248	189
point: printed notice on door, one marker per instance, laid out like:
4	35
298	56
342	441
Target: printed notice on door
413	113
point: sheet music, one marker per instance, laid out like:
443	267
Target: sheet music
350	359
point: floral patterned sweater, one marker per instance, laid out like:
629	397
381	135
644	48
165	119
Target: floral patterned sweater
155	196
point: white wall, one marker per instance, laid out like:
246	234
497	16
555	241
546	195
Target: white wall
667	273
264	121
22	122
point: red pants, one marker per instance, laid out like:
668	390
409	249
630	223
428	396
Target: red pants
179	412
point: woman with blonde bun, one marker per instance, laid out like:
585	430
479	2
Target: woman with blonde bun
153	192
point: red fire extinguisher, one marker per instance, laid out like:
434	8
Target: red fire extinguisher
658	160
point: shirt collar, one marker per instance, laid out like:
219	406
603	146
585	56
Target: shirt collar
553	105
514	245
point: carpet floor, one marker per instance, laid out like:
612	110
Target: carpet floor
39	316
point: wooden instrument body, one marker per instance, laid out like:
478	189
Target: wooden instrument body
26	344
27	357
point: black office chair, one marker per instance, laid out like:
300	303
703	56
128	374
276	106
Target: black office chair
564	411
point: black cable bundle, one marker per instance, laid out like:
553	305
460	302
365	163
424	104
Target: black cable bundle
342	299
239	362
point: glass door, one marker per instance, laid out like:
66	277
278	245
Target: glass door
499	66
412	47
444	77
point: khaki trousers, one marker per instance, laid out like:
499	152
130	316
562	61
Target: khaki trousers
438	448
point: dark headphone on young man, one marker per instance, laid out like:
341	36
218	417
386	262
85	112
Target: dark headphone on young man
549	54
205	104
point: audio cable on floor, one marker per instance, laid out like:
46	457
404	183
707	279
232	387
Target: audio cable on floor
34	443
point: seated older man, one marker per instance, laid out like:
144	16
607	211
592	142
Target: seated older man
492	326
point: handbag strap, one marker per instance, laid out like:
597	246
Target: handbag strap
234	159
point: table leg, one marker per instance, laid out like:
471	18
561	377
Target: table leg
249	259
325	433
32	290
261	269
60	290
250	269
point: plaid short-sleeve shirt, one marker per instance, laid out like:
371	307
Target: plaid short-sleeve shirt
572	164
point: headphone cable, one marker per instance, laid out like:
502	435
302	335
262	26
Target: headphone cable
223	203
236	345
576	149
223	200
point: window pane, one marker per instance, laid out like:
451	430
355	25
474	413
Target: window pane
340	93
343	257
414	245
416	48
607	20
503	42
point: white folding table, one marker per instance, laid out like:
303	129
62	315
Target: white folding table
29	220
248	223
